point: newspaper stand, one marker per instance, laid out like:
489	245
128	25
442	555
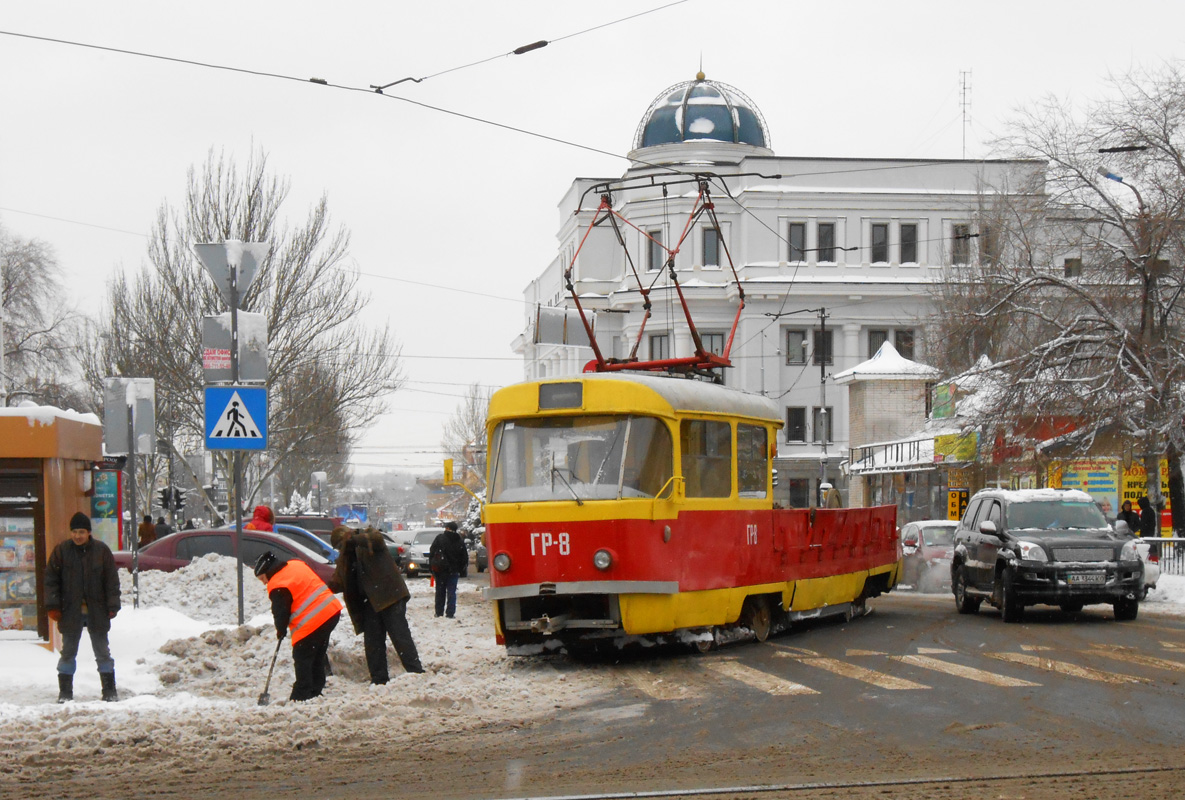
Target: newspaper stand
46	457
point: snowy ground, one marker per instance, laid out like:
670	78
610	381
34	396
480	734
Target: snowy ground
189	680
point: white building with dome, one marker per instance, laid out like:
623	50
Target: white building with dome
835	256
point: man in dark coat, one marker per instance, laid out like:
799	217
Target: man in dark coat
82	591
1149	524
1130	518
162	528
376	598
447	558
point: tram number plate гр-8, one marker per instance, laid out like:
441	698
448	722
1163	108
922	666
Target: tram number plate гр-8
1086	577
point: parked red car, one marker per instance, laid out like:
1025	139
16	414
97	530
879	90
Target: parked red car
176	550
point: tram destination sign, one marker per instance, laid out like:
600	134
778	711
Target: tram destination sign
561	395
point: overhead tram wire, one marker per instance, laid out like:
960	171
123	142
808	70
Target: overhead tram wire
526	48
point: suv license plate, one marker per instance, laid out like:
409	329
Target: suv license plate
1086	577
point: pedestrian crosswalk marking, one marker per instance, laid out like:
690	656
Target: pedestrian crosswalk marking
1035	648
935	651
235	421
851	653
1065	668
856	672
771	684
961	671
663	684
1123	654
1172	646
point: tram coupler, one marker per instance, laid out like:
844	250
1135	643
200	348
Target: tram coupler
546	624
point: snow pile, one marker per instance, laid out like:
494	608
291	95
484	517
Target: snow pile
189	679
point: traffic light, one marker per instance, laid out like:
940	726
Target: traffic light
178	500
166	498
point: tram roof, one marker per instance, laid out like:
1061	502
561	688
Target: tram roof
683	394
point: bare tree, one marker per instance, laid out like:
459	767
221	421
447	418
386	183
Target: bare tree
464	438
40	332
328	374
1082	300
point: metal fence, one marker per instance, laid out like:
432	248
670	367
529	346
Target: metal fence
1172	555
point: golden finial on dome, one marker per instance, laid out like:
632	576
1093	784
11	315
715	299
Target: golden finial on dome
699	76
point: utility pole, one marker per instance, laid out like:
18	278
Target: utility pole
824	419
1151	337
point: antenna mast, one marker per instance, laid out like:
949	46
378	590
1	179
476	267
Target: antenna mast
965	103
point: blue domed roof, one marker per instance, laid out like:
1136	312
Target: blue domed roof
702	110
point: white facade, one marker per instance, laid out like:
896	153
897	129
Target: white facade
895	226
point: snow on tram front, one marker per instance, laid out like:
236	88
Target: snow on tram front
628	505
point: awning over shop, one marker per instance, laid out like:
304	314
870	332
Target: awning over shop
905	455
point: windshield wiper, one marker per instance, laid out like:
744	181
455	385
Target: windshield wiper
555	472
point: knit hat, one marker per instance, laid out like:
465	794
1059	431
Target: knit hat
80	520
265	562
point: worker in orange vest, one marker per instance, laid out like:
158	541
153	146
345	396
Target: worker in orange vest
303	604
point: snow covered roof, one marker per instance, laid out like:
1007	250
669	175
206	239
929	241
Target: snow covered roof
887	364
46	415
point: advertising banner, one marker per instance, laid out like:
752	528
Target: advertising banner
105	507
1135	486
956	447
1098	477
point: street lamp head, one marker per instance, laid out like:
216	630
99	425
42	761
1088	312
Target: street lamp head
1109	175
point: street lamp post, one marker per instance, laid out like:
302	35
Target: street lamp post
1150	336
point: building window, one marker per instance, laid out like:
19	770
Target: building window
795	347
796	424
880	242
826	248
660	347
798	241
875	339
909	243
823	354
1073	267
656	256
989	245
713	342
960	244
821	424
711	247
800	492
903	341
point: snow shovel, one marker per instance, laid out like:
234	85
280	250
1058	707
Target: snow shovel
264	698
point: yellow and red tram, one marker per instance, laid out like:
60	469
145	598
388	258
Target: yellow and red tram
627	505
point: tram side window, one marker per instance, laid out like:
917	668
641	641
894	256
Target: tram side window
707	457
752	461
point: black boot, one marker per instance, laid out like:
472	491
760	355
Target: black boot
65	687
108	681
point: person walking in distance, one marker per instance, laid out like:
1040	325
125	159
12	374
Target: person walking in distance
302	604
146	532
376	598
447	559
261	520
82	591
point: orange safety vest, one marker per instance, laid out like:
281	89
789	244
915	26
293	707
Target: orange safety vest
312	602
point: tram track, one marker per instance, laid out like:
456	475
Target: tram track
874	785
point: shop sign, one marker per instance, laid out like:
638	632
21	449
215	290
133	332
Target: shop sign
956	447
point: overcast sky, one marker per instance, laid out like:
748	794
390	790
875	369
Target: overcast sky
451	217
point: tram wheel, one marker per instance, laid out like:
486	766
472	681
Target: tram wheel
759	619
705	645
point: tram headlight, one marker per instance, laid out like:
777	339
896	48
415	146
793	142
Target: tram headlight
501	562
602	560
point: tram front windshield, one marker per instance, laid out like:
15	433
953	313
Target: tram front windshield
580	458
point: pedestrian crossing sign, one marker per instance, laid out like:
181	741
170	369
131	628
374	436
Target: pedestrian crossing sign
236	418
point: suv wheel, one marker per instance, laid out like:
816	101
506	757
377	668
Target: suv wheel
1010	606
965	604
1126	610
